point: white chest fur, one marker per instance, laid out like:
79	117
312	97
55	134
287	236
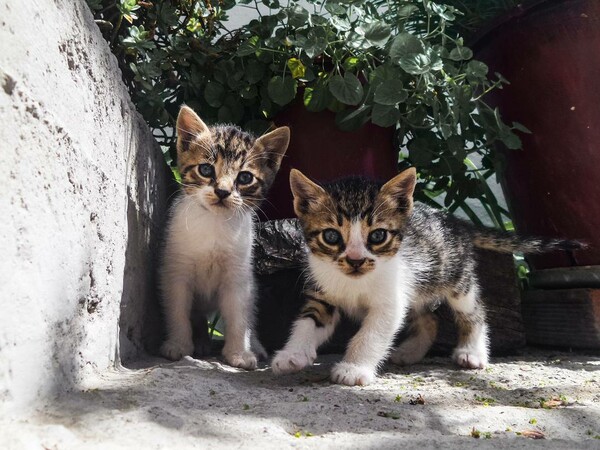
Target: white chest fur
207	249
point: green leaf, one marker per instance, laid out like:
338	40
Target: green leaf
249	92
417	64
421	151
405	44
214	93
390	92
297	16
317	98
316	42
352	119
476	69
296	67
385	115
377	33
249	47
511	140
341	23
346	89
520	127
460	54
254	71
282	90
335	9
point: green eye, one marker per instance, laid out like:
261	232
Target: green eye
206	170
245	177
377	236
331	236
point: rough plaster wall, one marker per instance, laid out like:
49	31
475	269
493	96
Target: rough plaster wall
81	200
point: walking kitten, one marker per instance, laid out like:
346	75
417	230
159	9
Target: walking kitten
207	261
378	258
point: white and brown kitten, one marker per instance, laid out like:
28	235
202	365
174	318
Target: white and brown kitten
207	260
378	257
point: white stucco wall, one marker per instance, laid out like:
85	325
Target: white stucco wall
81	200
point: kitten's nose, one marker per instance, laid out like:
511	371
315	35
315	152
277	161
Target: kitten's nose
356	263
222	193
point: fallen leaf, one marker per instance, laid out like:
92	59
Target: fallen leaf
533	434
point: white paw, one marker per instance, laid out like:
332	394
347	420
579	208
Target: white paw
286	361
352	374
470	359
175	350
409	352
244	359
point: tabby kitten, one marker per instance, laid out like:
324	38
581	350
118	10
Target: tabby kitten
207	261
379	258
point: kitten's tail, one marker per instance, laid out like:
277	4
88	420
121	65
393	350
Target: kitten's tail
505	242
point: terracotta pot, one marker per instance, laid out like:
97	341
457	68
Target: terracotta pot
323	152
550	53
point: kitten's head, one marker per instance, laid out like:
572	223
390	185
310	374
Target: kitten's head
225	168
354	223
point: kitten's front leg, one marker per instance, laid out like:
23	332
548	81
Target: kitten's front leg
308	333
177	307
369	346
236	306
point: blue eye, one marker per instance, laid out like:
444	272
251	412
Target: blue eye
331	236
377	236
245	178
206	170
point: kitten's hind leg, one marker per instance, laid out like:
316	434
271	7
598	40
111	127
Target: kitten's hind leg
422	330
469	313
315	326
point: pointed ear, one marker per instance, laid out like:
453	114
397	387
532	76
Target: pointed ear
274	144
401	189
189	127
307	194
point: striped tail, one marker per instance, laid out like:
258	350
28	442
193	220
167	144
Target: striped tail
504	242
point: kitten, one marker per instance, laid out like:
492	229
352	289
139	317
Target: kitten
207	261
379	258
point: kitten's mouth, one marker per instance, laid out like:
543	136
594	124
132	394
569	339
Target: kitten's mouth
220	204
355	273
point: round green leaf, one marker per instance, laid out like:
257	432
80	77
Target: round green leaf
254	71
346	89
460	54
405	44
384	115
282	90
214	93
390	93
316	98
377	33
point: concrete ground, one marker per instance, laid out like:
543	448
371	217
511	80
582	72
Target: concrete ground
539	399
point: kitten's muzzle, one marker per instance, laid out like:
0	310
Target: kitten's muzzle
222	193
356	263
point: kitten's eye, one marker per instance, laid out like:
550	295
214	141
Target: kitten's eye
206	170
245	178
331	236
377	236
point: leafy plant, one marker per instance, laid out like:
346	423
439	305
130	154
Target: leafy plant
395	63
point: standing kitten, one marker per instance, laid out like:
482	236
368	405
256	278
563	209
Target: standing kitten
207	264
376	257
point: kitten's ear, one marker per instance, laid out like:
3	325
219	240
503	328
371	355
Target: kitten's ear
189	126
401	189
274	144
306	193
